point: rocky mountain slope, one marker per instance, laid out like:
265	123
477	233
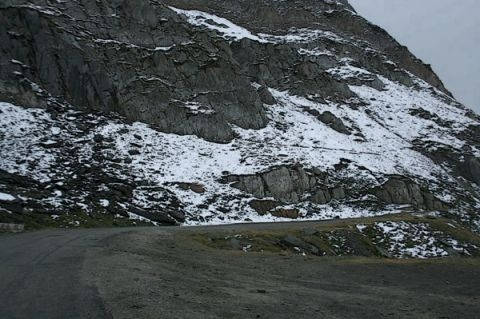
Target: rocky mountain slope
225	111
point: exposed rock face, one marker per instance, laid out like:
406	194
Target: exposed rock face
286	213
295	184
403	191
138	59
149	77
334	122
264	206
287	185
472	168
222	110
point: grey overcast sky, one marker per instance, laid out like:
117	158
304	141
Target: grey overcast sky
443	33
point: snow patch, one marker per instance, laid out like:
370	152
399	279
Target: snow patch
417	240
213	22
6	197
104	202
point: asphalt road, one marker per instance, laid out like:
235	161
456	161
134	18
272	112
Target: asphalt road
162	273
40	274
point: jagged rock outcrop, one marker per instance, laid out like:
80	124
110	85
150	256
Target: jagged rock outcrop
223	110
334	122
398	190
295	184
287	185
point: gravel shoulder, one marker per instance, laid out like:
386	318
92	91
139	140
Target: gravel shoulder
169	273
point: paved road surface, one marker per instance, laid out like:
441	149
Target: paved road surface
40	274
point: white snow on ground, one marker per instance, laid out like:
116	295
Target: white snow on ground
130	45
233	31
309	141
391	110
6	197
22	131
115	42
198	108
169	158
348	71
164	48
417	240
361	227
104	202
410	240
293	136
315	52
301	36
139	218
213	22
455	244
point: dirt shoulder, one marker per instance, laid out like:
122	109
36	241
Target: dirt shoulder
179	273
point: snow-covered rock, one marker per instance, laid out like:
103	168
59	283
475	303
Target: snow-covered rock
221	113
